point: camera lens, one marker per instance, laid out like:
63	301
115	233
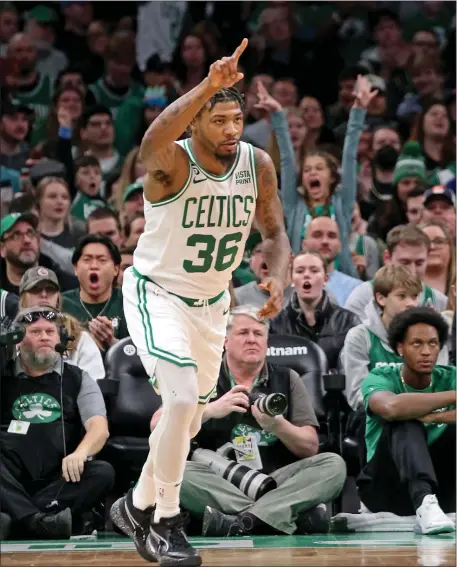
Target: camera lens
275	404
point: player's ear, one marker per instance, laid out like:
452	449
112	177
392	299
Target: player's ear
192	126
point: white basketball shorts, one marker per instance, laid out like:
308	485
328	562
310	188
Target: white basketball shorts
180	330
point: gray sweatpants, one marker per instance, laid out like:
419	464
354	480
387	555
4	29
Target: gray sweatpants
300	486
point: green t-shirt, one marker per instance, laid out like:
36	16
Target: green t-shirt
39	98
83	205
387	379
112	100
113	309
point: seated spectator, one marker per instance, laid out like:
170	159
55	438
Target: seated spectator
414	203
439	205
97	136
9	19
408	246
366	346
364	248
117	85
410	430
40	287
288	445
317	132
9	304
48	483
132	169
15	121
323	236
30	86
20	250
440	270
310	312
133	229
53	204
88	183
41	22
97	304
252	293
338	113
132	201
126	262
106	222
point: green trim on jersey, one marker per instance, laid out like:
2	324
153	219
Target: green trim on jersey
213	176
148	335
187	300
253	163
171	198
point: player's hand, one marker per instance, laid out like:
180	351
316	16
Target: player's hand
266	101
273	305
267	422
102	329
363	93
73	466
224	72
236	400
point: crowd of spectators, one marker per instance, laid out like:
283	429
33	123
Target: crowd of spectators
369	193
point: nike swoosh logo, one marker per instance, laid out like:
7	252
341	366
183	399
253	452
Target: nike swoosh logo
200	180
226	311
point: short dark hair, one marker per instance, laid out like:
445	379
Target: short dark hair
86	161
96	239
224	95
103	213
92	111
401	322
351	72
128	223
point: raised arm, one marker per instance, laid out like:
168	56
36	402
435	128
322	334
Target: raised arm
165	162
363	96
270	220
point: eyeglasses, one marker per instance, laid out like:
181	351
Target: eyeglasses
438	241
16	236
35	316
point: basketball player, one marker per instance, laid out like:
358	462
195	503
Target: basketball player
201	197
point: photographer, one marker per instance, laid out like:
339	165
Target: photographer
48	482
286	445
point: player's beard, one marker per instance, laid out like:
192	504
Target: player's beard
226	159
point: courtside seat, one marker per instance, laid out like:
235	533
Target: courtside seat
131	402
310	363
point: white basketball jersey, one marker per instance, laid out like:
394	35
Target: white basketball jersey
194	239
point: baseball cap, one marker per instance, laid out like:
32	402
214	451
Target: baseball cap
133	188
36	275
9	221
439	192
42	15
378	82
12	107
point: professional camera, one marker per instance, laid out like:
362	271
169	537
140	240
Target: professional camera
10	335
250	481
271	404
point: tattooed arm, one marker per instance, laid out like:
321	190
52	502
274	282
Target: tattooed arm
166	163
276	247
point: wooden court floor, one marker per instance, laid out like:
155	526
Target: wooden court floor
377	549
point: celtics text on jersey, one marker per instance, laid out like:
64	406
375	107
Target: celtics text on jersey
194	239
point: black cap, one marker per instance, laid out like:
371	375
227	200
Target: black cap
10	108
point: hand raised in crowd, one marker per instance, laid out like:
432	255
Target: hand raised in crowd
73	466
266	101
273	304
102	330
363	92
360	262
267	422
224	72
235	400
64	117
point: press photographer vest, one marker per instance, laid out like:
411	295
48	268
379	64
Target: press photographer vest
37	401
216	432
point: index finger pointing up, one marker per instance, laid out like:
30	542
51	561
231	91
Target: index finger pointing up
239	50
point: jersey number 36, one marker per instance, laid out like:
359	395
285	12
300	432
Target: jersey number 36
207	258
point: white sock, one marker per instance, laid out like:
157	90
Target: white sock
167	498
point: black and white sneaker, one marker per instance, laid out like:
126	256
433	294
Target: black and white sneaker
134	523
168	542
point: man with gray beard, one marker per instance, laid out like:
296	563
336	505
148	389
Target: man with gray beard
20	250
48	480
